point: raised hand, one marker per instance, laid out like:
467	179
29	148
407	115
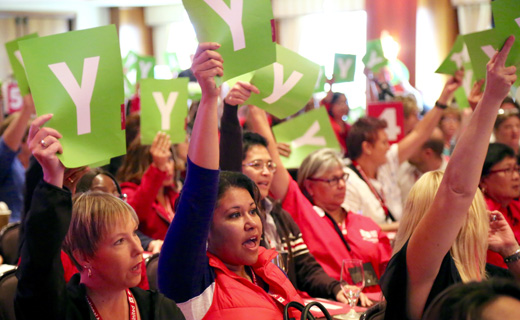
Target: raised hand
501	238
160	150
240	92
500	78
72	177
207	64
476	93
451	86
44	145
284	149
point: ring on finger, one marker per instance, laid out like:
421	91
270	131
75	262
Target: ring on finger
43	143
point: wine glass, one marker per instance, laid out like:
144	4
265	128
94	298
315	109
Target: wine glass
282	260
352	283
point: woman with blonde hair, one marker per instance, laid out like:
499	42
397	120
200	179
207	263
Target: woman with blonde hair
440	243
98	233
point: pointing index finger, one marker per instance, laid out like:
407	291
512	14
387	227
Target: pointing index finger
502	55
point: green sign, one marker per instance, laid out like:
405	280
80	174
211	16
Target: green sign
285	86
483	45
344	67
130	61
306	133
145	68
243	28
374	59
506	14
164	107
77	76
16	60
322	79
456	59
172	61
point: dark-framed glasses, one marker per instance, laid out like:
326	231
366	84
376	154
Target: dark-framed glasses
334	181
508	171
259	165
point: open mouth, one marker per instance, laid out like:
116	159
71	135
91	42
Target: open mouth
137	267
251	243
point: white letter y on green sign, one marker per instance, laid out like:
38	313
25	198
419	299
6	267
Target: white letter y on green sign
81	96
233	17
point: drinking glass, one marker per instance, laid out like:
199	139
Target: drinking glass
352	283
282	260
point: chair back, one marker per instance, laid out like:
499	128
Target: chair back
8	283
9	240
151	271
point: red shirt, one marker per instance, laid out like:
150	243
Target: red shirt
154	220
367	242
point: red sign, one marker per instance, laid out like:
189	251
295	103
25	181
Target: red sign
392	112
14	98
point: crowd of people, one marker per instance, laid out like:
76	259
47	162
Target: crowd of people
426	215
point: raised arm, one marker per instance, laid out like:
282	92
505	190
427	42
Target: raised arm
439	227
422	132
184	272
14	134
230	130
46	225
204	148
281	178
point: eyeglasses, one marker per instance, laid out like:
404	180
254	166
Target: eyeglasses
332	182
508	171
259	165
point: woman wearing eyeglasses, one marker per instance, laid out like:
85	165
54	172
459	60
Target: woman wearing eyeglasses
500	184
331	232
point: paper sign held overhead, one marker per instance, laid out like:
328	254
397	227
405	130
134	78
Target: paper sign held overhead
392	113
242	27
306	133
286	85
78	77
17	63
374	58
344	67
164	107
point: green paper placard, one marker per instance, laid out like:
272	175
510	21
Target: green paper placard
457	57
194	91
246	77
306	133
481	47
506	14
322	79
145	67
130	61
78	77
164	107
461	98
99	163
16	60
286	85
172	61
344	67
374	59
243	28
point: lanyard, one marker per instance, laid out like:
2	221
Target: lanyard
131	304
374	191
278	298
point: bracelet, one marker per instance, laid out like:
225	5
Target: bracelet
514	257
440	105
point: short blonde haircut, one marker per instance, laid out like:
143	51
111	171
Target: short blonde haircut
94	215
470	246
316	164
409	105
